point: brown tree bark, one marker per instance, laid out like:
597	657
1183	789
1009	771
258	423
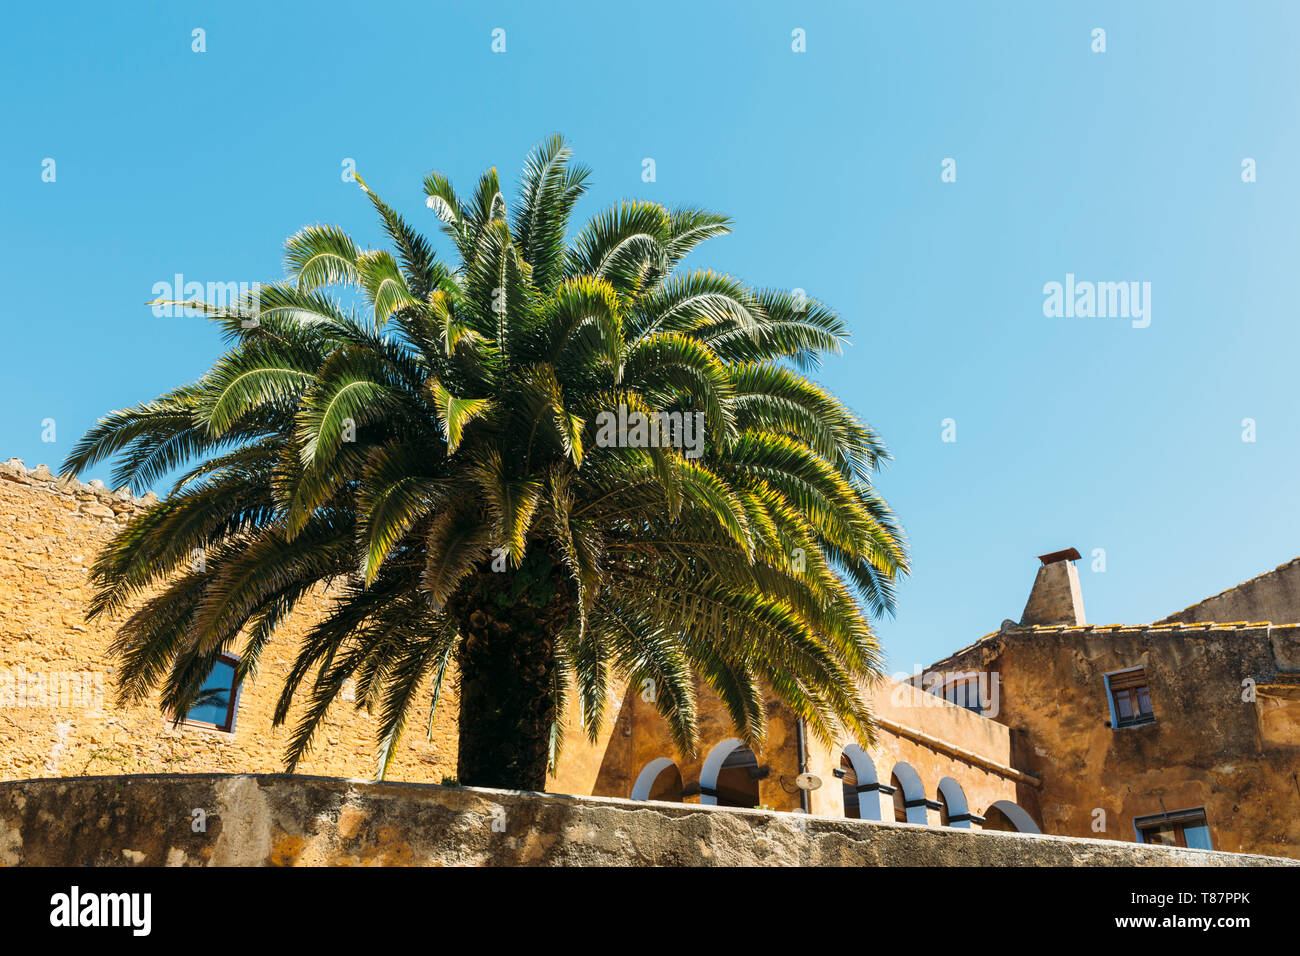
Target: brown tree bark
508	622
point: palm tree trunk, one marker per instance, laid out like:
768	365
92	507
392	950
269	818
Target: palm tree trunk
508	624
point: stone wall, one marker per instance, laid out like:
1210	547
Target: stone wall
1274	596
1224	738
58	716
194	820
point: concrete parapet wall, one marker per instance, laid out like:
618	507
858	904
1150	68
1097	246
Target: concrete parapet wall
288	820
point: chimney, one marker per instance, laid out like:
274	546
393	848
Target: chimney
1056	597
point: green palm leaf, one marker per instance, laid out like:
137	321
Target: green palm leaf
434	443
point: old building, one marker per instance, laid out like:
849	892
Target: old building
57	712
1177	732
1186	731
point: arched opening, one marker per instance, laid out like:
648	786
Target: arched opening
729	777
1008	817
909	795
659	780
668	786
860	788
953	811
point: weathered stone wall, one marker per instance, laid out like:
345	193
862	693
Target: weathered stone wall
57	711
292	820
1274	596
50	533
1216	742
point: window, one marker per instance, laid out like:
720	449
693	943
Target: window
964	690
217	700
1130	697
849	782
1183	828
965	693
900	801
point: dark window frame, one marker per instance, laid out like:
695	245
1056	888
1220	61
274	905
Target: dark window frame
1134	690
899	799
232	708
1178	821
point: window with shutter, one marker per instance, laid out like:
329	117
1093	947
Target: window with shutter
1130	696
1186	828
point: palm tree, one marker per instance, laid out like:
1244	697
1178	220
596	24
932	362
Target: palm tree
443	448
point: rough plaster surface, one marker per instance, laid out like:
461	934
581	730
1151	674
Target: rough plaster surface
57	680
1225	738
50	532
284	820
1056	597
1272	596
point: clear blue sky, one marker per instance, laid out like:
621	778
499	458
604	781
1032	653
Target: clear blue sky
1115	166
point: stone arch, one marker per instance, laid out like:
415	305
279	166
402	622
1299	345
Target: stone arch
907	781
954	800
1017	816
723	761
863	792
651	775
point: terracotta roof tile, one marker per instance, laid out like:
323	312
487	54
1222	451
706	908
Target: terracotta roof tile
1130	628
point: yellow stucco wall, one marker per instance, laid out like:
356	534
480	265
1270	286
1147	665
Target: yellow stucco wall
1225	737
910	709
639	737
50	533
48	541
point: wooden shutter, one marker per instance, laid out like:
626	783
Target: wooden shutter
1128	679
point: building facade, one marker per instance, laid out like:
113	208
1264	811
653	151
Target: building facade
1180	732
1185	731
